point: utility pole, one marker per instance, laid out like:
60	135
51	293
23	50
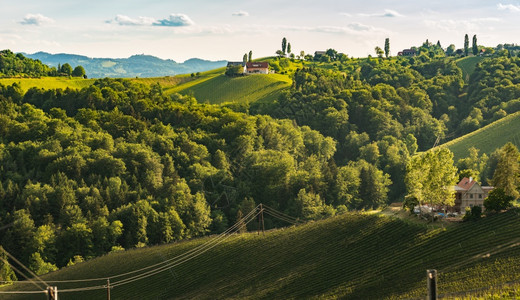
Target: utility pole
431	279
262	217
52	293
108	288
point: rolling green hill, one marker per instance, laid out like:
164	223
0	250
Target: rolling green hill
355	256
218	88
211	86
467	65
488	138
48	82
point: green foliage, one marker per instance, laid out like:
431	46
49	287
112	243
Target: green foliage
78	71
233	70
497	200
430	176
473	214
6	273
507	172
39	266
18	65
123	164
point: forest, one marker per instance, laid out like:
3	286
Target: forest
120	164
12	64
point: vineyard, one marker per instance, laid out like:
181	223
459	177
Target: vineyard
220	88
354	255
488	138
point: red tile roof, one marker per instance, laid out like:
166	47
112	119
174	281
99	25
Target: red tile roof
465	183
261	65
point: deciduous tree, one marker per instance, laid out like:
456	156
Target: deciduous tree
507	172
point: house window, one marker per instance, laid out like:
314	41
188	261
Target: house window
471	205
480	196
471	196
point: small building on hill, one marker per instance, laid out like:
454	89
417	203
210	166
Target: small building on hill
407	52
257	68
236	64
469	193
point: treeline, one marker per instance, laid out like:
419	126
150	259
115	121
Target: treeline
12	65
119	164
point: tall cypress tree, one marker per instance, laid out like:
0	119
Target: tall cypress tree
284	45
387	47
474	46
466	45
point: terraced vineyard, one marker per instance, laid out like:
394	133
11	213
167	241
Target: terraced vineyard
356	256
488	138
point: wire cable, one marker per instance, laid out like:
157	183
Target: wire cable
27	269
21	273
161	269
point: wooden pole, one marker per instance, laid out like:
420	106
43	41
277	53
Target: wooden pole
52	293
431	278
262	217
108	288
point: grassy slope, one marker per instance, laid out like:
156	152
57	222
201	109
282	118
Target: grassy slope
354	256
467	65
488	138
217	88
49	82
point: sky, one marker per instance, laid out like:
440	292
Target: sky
226	29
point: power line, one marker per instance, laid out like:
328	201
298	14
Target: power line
21	273
27	269
191	256
175	261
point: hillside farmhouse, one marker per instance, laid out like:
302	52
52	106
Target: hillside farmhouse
257	68
469	193
407	52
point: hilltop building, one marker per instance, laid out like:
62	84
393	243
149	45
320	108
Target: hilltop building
257	68
469	193
407	52
236	63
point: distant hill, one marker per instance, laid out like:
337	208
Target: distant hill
134	66
488	138
352	256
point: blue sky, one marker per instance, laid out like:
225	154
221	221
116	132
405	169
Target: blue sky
213	29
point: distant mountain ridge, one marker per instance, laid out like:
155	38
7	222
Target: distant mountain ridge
134	66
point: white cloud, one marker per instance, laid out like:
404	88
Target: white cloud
450	25
173	20
240	13
36	19
345	14
360	27
388	13
509	7
128	21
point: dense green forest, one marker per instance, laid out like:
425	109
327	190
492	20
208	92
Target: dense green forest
121	164
18	65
